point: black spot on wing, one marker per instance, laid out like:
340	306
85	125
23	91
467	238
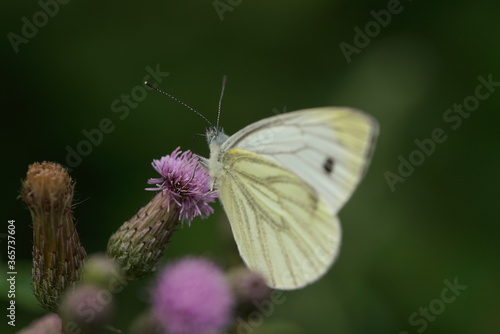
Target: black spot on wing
328	165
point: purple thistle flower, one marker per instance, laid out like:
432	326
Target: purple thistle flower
185	182
184	194
192	296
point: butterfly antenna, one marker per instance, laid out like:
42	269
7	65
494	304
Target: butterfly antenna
179	101
224	80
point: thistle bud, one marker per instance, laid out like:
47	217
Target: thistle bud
48	324
249	288
184	194
57	251
87	309
101	271
146	323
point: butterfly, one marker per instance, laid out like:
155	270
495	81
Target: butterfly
282	181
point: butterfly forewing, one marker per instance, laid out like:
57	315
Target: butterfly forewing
328	148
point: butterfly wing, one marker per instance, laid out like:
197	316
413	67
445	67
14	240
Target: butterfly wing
329	148
283	228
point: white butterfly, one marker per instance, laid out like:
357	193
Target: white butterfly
282	181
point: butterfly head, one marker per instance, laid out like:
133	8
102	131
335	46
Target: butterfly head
216	136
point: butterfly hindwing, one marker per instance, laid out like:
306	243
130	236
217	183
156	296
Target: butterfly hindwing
282	227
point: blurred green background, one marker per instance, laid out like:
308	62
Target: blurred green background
399	246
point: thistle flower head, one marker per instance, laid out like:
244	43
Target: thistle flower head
58	254
47	186
192	296
184	193
185	182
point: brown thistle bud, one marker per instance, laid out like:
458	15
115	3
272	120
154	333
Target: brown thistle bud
57	251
